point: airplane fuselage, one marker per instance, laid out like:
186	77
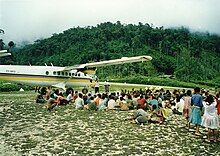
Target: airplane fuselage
43	75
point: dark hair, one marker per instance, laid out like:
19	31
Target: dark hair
209	99
197	90
154	106
189	92
80	95
138	106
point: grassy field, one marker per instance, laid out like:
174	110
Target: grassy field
28	129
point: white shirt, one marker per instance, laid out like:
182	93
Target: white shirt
79	103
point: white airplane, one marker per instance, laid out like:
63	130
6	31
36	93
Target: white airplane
61	77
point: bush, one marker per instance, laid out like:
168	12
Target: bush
7	87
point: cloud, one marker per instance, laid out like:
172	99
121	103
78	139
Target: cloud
34	19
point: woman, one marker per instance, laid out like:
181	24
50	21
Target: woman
210	119
195	117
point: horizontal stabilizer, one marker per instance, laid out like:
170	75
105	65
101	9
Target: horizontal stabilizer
4	53
61	85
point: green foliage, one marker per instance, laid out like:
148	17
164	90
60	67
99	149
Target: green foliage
188	56
6	87
162	82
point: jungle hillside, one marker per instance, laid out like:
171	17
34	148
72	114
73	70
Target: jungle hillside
191	57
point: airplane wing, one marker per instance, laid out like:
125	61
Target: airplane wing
109	62
4	53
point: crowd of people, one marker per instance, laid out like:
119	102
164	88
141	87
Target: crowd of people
200	108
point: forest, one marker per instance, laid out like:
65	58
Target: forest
187	56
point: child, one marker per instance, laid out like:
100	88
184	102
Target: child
210	119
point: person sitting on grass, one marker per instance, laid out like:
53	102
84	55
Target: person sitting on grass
111	103
91	104
51	103
61	100
140	117
210	119
40	99
102	103
123	104
79	102
156	115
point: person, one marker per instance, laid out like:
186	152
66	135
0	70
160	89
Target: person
40	99
79	102
98	100
140	117
61	100
107	86
218	105
197	105
51	103
91	104
153	102
91	88
96	86
102	103
69	97
75	95
123	104
187	107
142	101
178	109
156	115
210	119
111	103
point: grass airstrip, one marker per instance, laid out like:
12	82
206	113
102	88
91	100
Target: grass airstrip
28	128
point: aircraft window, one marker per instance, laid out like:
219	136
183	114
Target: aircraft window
79	74
47	72
66	73
58	73
69	74
54	73
62	73
75	74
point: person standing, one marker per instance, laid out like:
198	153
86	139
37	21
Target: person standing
197	105
96	86
187	107
210	118
107	87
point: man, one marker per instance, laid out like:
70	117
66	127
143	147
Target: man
79	102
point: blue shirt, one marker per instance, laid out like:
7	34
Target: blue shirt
197	100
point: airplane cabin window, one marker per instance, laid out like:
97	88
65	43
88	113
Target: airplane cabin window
54	73
62	73
66	73
58	73
70	74
79	74
47	72
75	74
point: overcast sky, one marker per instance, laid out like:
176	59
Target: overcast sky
29	20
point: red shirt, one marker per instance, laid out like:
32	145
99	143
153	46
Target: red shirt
141	101
218	107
